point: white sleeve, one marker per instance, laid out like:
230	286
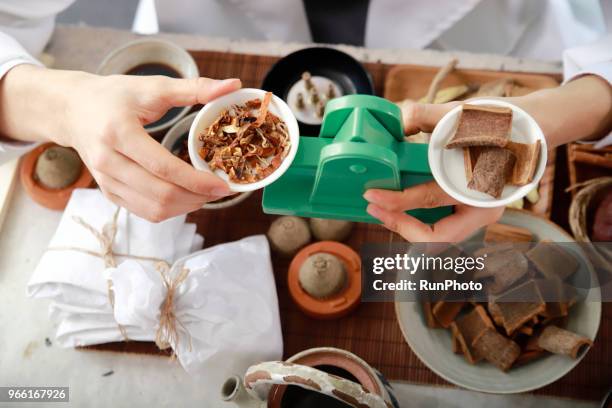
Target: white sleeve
11	55
592	59
25	28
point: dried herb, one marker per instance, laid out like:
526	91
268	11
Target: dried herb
246	141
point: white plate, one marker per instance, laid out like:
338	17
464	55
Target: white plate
448	168
433	346
213	109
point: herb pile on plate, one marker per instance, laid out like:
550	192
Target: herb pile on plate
528	300
248	142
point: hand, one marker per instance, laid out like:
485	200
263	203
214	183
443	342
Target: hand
389	206
103	118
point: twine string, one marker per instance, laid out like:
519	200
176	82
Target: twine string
167	332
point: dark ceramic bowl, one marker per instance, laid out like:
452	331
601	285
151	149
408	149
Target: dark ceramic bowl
345	71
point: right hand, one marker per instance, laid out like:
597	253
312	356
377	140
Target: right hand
103	118
389	206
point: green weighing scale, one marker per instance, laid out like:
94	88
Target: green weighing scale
360	146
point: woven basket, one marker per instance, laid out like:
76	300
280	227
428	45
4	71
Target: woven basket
583	203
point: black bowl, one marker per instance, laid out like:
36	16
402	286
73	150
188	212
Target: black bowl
348	73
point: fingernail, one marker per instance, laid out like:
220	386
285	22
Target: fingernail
233	82
370	195
373	210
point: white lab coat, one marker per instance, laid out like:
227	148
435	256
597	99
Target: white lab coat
540	29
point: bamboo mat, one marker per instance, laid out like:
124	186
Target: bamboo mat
371	331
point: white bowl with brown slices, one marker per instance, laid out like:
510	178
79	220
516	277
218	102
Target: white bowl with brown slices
212	111
473	173
434	346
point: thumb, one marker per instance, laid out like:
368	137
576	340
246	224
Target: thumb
423	117
186	92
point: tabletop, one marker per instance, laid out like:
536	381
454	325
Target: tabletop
27	353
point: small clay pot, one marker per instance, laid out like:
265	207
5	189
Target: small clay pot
54	199
337	362
340	303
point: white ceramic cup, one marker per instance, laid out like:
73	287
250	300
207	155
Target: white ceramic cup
169	142
448	168
211	111
147	51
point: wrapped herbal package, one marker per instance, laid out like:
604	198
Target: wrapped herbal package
112	277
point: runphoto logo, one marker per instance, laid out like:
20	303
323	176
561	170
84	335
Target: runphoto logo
412	264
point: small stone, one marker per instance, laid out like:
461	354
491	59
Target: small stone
330	230
288	234
58	167
322	275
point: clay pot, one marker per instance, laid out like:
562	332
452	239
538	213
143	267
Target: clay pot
233	392
54	199
339	304
325	377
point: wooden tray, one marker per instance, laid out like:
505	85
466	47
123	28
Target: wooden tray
584	162
412	82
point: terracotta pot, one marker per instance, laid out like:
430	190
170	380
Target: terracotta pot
54	199
323	376
341	303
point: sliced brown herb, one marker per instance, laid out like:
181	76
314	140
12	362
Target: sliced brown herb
247	142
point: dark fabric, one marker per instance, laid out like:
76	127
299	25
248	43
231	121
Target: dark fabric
337	21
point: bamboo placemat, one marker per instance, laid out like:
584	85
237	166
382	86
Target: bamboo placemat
371	331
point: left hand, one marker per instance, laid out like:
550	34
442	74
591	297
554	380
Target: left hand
390	206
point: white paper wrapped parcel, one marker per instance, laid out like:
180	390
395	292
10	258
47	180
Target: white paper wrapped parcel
227	307
75	278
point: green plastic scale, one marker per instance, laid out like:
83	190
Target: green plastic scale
361	146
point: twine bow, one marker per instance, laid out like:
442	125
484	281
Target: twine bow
167	332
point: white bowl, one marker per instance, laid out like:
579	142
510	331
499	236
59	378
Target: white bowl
211	111
448	168
147	51
169	141
433	346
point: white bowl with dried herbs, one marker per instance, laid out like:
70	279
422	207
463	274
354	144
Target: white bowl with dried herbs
248	138
487	153
176	142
